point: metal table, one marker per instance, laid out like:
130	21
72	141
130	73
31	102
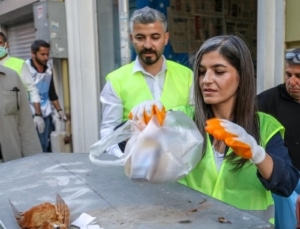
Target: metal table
108	194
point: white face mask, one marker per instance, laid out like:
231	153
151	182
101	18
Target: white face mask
3	51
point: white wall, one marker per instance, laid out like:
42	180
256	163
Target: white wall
83	72
270	46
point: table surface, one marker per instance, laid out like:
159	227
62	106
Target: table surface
108	194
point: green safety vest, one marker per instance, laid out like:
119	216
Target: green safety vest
242	188
132	88
15	64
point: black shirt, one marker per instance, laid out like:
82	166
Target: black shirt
277	102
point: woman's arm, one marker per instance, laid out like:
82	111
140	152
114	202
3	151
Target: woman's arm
284	176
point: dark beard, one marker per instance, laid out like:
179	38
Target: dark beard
40	62
148	60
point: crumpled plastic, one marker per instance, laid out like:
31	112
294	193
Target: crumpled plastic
154	153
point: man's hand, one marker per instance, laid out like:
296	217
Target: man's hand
234	136
146	110
62	116
39	123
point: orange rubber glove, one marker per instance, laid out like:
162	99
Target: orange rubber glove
146	110
234	136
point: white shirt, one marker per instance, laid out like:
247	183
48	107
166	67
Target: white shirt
112	107
219	158
27	81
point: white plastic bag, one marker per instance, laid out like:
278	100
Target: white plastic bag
157	153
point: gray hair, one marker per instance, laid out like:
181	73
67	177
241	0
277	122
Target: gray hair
147	15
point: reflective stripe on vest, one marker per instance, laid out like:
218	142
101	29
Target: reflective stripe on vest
15	64
132	89
242	188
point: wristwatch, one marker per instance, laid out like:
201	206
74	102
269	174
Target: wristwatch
38	115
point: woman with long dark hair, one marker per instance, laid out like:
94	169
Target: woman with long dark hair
244	157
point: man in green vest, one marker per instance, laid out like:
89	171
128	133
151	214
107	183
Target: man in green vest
19	66
150	79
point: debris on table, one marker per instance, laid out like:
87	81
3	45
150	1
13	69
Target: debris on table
223	220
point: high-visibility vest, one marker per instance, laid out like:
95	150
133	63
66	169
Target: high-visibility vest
132	89
15	64
241	188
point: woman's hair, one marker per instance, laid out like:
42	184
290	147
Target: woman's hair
236	52
147	15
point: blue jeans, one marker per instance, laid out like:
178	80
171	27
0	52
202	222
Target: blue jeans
285	210
45	136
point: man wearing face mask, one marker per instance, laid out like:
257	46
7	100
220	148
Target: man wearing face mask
150	79
19	66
